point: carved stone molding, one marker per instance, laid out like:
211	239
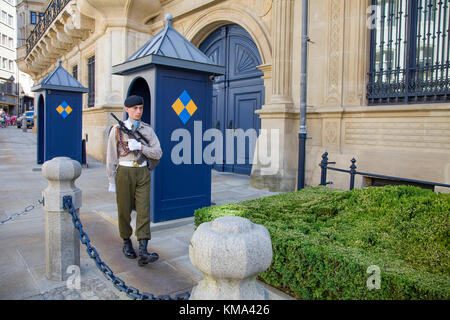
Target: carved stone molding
196	30
331	133
335	51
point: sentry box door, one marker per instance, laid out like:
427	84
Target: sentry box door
182	113
63	125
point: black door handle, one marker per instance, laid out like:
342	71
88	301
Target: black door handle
217	124
230	124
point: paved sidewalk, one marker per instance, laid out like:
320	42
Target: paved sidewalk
22	242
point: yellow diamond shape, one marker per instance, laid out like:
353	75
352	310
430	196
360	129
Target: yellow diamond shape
68	109
60	109
178	106
191	107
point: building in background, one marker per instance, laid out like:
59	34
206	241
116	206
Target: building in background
378	82
8	71
28	14
16	96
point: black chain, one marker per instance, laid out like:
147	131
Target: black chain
118	283
17	214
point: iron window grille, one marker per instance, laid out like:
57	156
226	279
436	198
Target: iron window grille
75	72
91	81
409	52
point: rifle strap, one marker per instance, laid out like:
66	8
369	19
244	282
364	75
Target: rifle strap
122	145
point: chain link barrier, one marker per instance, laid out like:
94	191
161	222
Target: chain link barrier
18	214
118	283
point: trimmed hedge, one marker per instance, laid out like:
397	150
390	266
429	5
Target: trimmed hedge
324	240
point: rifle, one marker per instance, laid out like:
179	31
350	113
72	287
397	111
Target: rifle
130	132
151	163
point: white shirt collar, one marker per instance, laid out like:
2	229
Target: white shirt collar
128	124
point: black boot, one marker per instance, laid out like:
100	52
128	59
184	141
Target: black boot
128	250
144	256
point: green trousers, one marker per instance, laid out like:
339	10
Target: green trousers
133	189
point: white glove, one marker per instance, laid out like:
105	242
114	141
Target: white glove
112	187
133	145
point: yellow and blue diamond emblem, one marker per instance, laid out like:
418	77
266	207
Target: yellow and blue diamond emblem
64	109
184	107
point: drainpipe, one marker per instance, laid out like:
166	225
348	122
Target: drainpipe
303	86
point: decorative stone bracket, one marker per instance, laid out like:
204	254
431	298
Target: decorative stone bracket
67	30
77	21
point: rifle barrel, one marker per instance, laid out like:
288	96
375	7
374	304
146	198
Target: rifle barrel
128	131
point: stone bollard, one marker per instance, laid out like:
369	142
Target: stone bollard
62	245
24	124
230	252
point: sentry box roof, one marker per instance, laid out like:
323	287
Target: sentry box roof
60	79
168	48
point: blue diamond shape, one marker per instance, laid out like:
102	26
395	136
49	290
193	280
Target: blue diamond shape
185	98
64	105
64	114
184	116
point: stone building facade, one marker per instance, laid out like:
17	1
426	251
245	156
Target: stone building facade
409	140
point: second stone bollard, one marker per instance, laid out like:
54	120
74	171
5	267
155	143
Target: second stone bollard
230	252
62	245
24	124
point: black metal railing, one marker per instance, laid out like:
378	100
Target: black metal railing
409	52
324	165
53	10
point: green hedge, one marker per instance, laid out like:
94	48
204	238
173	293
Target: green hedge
324	240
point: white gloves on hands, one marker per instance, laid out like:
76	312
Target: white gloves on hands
133	145
112	187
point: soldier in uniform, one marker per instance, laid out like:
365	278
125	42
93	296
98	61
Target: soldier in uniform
127	163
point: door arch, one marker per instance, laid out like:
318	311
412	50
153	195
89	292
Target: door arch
40	129
238	93
140	87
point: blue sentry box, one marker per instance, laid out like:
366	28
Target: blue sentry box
179	189
59	116
173	77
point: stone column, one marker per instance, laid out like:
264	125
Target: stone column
278	116
282	51
62	245
230	252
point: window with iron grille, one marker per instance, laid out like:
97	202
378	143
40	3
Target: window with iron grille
409	52
33	17
75	71
91	81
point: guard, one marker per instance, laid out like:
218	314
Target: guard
133	150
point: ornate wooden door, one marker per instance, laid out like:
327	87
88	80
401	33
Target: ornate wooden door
238	93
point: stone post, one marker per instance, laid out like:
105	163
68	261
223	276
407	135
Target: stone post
230	252
62	245
24	123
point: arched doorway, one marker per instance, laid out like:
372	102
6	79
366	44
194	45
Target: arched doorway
238	93
40	129
140	87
